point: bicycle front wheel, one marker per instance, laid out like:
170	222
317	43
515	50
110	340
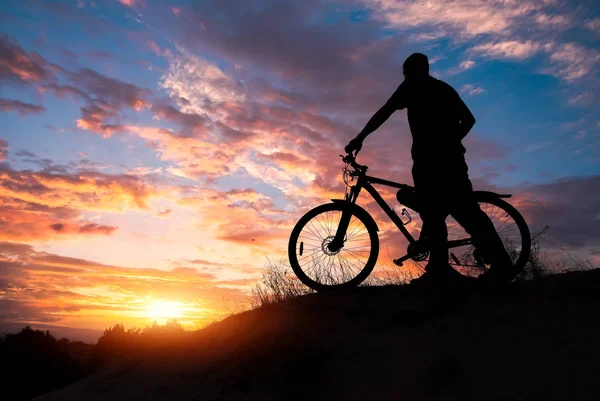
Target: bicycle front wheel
321	269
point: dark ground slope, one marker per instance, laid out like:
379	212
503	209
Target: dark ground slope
530	341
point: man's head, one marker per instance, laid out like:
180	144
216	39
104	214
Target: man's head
416	66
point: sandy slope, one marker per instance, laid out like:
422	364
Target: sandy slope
531	341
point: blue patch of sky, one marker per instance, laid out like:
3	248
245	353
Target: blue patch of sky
358	15
336	12
242	180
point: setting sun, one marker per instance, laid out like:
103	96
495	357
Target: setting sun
161	310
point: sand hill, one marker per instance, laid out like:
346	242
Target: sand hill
531	341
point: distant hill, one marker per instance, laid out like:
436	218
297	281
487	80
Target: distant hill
530	341
88	336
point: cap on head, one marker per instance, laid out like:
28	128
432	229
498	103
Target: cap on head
416	65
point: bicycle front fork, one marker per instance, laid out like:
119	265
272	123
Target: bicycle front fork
340	235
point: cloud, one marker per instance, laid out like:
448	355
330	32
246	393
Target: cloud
204	86
467	65
265	39
252	219
569	206
164	213
593	24
511	49
153	46
105	97
471	89
3	150
553	21
130	3
192	123
568	61
47	206
112	92
100	55
45	287
583	98
572	61
89	228
193	157
93	118
18	65
28	221
467	17
509	29
93	189
20	107
62	91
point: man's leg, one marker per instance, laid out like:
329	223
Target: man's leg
465	209
485	238
437	237
429	193
438	272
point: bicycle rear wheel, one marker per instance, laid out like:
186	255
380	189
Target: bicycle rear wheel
511	228
321	269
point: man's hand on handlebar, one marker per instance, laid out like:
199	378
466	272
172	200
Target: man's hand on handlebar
354	145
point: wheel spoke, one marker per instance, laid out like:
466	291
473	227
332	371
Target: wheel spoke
505	225
326	267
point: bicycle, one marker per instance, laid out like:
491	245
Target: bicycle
336	245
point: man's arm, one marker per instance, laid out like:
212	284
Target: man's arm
394	103
466	118
377	120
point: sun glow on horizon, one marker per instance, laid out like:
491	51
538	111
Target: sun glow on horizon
163	310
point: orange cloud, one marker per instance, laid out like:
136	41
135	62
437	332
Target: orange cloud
93	119
43	287
22	221
86	190
244	217
44	206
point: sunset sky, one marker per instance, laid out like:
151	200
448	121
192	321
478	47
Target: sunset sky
153	154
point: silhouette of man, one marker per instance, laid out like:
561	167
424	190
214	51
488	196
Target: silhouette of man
439	120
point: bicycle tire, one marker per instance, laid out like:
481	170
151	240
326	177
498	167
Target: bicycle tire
294	247
523	249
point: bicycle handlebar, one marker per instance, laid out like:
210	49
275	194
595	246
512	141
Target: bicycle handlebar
351	160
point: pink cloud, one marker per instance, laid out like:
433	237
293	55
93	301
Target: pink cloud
17	64
115	93
129	3
20	107
3	150
510	49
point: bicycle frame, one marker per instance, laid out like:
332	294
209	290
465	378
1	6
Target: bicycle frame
366	182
